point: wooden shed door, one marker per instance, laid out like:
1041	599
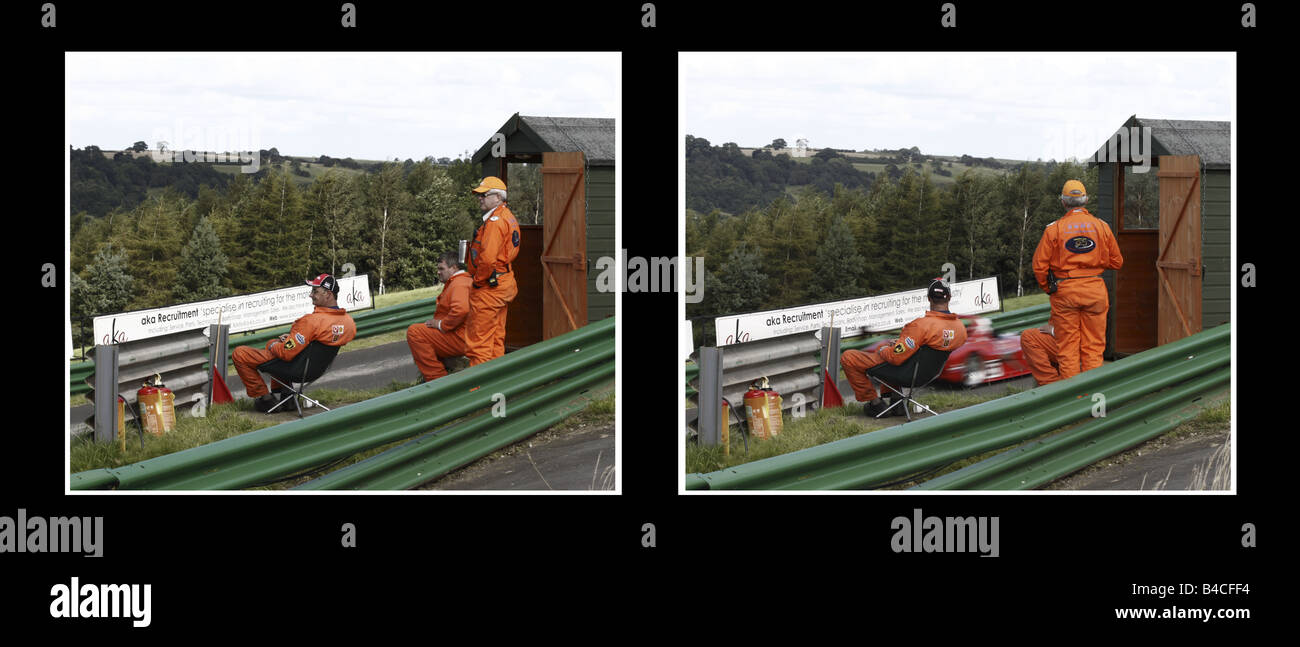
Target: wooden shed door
1179	264
564	250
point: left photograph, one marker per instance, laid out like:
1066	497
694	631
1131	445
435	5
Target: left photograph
309	272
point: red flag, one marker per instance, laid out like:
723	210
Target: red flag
220	393
831	393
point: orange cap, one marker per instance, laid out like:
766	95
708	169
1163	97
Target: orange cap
490	182
1073	189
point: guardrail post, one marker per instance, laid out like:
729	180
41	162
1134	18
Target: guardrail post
710	420
218	343
106	393
830	358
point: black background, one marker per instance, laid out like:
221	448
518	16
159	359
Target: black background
567	564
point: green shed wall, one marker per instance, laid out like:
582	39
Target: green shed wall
1216	249
600	238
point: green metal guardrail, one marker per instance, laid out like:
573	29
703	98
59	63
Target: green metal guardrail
284	449
1043	461
369	323
438	453
889	454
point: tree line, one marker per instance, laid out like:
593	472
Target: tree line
253	234
894	235
724	178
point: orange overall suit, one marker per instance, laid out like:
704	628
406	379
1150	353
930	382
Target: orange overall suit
1039	350
325	325
430	345
1078	247
495	245
941	331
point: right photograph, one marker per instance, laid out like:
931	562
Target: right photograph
958	271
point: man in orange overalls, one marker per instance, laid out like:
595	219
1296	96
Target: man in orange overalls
1076	248
1039	349
939	329
495	245
326	324
442	336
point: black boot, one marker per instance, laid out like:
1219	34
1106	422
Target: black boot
874	408
265	402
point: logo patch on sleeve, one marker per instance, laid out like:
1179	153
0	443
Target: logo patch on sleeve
911	343
289	345
899	349
299	338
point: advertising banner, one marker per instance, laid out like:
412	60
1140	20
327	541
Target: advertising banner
856	316
244	312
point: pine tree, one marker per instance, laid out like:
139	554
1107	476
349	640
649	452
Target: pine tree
436	224
105	286
272	237
385	215
203	267
740	285
331	205
151	239
838	263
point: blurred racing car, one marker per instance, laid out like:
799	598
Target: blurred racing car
984	358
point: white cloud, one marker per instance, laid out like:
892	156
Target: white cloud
366	105
1012	105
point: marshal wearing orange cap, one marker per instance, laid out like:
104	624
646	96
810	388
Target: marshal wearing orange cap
488	261
1068	263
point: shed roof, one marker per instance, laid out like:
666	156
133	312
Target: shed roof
1211	140
593	137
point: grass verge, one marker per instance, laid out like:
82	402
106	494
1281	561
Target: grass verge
221	422
818	428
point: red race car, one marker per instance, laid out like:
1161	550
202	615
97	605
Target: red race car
984	358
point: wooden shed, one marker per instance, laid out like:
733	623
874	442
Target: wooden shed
556	270
1173	224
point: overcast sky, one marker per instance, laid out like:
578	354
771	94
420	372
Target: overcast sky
372	106
1005	105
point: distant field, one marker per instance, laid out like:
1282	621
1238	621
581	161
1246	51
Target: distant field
310	166
862	162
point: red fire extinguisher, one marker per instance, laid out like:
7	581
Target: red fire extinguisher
763	410
156	406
